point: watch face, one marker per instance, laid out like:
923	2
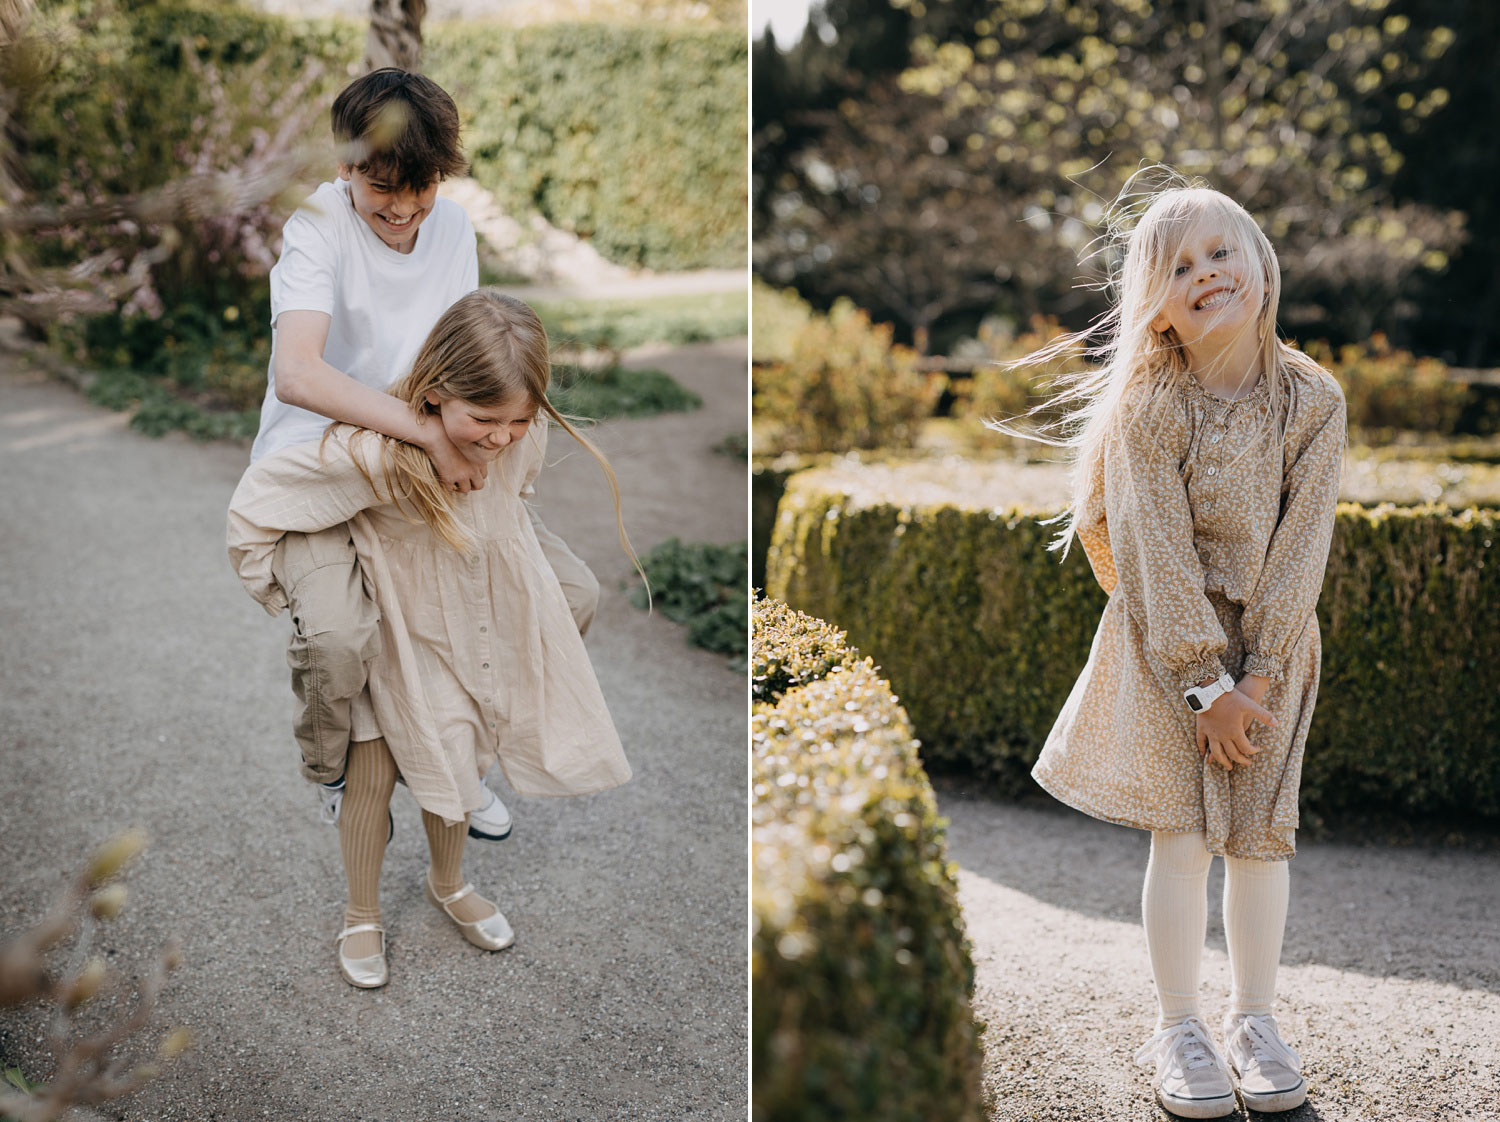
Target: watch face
1193	703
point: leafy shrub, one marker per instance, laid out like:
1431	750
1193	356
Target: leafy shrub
632	137
1387	388
790	649
779	315
861	974
983	633
844	385
702	586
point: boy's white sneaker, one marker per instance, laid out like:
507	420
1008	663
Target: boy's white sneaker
492	821
330	799
1192	1079
1270	1073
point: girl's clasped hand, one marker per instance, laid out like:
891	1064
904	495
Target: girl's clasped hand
1223	729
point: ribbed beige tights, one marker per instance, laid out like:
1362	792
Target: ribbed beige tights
364	828
1174	907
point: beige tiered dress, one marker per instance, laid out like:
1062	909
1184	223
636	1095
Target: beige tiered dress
480	649
1211	542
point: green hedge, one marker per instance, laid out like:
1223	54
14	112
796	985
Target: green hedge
983	632
633	137
861	975
767	482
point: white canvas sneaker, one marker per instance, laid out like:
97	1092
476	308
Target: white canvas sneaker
1192	1079
330	799
1270	1073
492	821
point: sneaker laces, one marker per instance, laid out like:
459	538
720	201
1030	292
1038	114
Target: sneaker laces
332	797
1258	1034
1190	1040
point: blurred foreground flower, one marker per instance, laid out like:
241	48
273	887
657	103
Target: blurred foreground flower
88	1070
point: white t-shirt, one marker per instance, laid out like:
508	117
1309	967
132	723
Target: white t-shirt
383	303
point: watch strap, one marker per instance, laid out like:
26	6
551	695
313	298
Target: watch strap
1201	698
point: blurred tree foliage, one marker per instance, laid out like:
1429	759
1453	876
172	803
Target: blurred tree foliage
938	161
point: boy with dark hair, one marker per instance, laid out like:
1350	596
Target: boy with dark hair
368	264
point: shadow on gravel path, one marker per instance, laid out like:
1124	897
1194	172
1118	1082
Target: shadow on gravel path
1389	987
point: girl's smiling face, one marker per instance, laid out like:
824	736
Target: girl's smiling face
1214	290
482	432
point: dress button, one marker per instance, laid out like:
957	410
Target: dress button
1211	471
482	630
484	666
1218	436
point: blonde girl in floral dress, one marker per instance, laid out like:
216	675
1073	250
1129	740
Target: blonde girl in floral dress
1205	476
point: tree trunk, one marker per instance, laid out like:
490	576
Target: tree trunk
395	37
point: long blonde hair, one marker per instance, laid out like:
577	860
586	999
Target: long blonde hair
1146	228
487	349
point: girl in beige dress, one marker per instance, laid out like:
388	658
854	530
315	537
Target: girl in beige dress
1205	480
480	651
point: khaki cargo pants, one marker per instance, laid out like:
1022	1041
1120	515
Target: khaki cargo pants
336	632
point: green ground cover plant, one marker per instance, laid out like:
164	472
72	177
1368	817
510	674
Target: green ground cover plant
861	976
953	596
702	586
191	371
619	391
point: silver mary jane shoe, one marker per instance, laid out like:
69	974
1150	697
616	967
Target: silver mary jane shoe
366	973
492	933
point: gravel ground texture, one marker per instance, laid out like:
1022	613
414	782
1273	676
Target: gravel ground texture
1389	986
142	687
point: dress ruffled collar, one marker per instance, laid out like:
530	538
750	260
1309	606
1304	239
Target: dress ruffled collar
1192	388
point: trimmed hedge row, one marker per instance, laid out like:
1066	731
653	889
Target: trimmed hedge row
983	633
633	137
861	975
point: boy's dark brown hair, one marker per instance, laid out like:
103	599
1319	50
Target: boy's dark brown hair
399	126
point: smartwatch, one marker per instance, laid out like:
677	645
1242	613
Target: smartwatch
1199	698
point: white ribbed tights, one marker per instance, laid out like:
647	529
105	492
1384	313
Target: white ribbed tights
1174	906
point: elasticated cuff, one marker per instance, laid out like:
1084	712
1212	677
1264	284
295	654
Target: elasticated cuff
1190	676
1264	666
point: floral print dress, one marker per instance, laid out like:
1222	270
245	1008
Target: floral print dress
1211	542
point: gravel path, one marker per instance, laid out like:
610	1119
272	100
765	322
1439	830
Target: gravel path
141	686
1389	986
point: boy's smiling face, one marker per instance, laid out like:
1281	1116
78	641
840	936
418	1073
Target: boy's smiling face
394	213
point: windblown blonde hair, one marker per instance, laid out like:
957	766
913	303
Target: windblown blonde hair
1145	233
487	349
